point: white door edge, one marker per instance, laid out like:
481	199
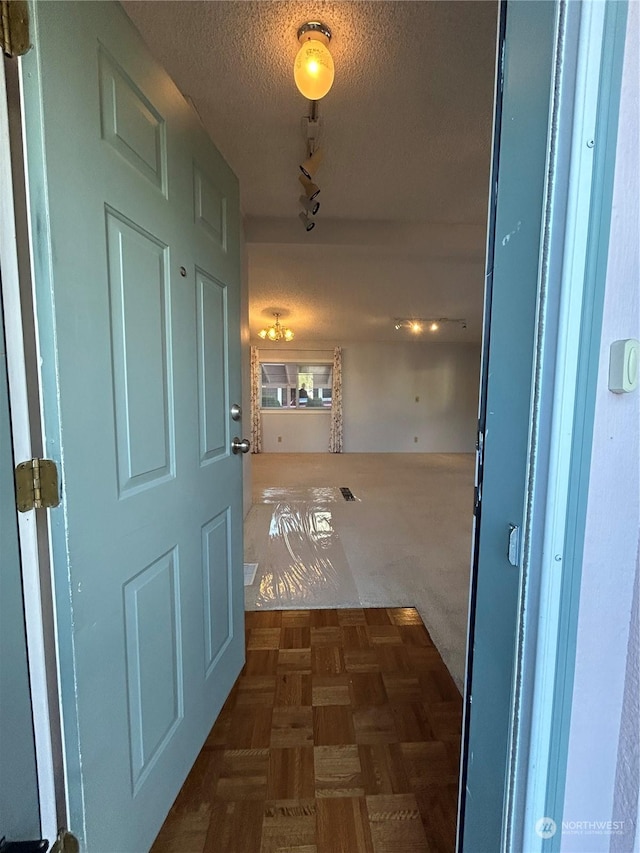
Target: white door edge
540	652
30	549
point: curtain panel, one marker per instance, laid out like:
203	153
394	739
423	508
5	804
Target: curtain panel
335	434
256	391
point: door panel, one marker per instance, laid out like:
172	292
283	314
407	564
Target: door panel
212	323
135	231
139	295
513	268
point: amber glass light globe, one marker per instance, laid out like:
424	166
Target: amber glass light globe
313	70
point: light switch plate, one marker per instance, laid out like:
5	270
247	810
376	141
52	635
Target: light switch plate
623	366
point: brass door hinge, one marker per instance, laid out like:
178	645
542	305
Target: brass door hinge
37	485
15	27
66	843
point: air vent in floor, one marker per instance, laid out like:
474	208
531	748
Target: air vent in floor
347	494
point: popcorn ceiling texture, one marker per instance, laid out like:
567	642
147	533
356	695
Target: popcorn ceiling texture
407	125
407	136
355	291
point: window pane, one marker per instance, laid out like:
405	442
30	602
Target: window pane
274	386
296	385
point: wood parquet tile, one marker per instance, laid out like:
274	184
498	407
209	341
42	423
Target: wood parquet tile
341	735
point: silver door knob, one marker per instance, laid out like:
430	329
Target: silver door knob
240	445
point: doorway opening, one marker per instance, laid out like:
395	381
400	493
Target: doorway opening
410	243
379	629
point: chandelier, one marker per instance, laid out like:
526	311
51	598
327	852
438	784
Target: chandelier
276	332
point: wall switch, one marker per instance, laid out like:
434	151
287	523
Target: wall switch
623	366
279	439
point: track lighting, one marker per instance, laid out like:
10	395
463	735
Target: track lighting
310	205
312	163
311	189
313	69
313	73
419	324
309	224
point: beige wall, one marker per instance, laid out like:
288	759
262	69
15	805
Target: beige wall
399	392
393	393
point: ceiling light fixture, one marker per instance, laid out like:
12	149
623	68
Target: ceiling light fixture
311	132
276	332
309	205
309	224
313	69
418	324
311	190
312	164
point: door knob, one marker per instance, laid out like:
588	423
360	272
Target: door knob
240	445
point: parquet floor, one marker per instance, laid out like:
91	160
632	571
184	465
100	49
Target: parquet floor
341	735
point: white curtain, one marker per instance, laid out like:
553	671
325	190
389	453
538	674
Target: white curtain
335	436
256	393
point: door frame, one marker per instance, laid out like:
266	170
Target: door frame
590	39
27	441
579	250
541	674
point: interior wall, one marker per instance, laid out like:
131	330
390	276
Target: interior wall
603	772
393	394
410	397
295	432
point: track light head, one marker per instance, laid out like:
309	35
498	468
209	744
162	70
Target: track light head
419	324
311	189
310	205
309	224
312	164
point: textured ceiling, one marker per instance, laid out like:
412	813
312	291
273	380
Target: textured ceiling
367	292
406	127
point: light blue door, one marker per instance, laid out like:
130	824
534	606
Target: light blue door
135	237
527	38
19	810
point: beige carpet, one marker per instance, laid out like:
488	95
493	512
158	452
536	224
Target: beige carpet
404	541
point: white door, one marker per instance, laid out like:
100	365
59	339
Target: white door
134	222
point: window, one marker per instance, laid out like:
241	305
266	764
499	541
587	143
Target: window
296	386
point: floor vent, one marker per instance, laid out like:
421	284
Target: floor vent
347	494
249	577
